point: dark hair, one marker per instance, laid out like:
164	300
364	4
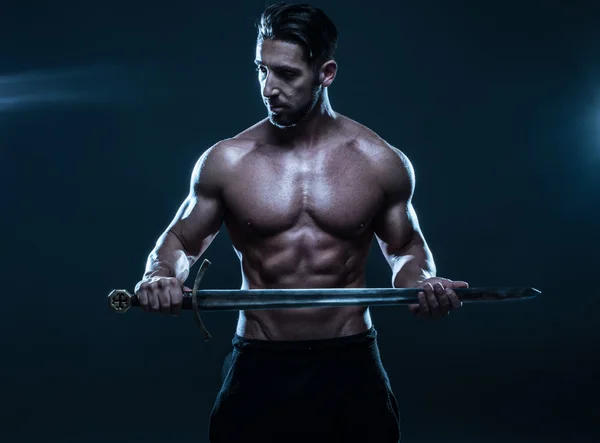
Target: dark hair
302	24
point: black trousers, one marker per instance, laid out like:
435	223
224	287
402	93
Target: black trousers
333	390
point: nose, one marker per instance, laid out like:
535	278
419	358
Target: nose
270	87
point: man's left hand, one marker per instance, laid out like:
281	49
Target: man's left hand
438	298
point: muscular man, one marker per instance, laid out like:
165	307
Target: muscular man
302	193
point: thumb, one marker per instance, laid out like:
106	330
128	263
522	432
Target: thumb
460	284
186	289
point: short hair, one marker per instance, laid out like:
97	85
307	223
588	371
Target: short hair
302	24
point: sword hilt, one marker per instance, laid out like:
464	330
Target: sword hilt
121	300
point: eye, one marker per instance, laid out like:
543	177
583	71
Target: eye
289	74
261	70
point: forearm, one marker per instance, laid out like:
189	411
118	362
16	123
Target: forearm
168	259
413	266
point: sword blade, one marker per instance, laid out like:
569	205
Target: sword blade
251	299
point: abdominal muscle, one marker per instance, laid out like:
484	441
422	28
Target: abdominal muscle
303	323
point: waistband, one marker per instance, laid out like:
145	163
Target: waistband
362	340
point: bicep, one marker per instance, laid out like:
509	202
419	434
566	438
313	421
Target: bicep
397	227
397	231
201	214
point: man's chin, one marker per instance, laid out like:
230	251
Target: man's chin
281	123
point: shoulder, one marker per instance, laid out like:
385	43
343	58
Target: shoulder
391	166
216	164
227	153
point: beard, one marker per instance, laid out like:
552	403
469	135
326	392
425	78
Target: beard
290	117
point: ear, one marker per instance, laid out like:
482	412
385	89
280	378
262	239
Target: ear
327	73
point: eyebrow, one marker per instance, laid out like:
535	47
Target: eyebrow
278	67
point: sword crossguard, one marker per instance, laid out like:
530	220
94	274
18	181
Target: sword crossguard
201	271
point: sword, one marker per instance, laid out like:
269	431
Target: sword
120	300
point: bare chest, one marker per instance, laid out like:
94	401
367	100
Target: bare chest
334	190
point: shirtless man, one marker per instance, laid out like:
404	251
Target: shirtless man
302	193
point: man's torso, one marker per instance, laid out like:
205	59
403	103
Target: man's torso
302	217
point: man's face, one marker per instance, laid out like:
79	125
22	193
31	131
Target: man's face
288	84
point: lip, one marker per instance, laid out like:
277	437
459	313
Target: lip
276	108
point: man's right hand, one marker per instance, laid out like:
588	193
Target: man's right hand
160	294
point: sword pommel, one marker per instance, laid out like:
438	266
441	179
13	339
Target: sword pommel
120	300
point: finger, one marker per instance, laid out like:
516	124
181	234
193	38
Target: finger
454	300
143	299
432	302
442	298
428	289
164	300
186	289
153	304
460	284
414	309
176	301
424	310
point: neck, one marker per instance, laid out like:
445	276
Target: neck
312	126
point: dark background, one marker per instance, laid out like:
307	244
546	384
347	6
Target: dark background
105	107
